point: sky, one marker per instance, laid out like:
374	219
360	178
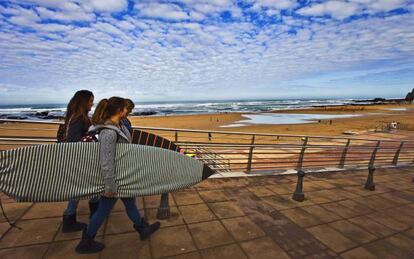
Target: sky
205	49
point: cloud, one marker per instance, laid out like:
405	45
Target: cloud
65	16
275	4
190	49
164	11
105	6
336	9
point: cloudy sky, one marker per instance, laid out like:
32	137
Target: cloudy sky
205	49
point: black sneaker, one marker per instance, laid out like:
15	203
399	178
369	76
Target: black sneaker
88	245
71	225
146	230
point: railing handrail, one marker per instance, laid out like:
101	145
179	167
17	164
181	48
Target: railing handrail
222	132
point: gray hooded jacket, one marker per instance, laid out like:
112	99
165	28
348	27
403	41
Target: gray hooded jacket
109	135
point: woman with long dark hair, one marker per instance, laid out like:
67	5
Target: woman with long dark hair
108	116
75	127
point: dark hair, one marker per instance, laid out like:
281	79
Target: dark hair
129	105
77	108
107	108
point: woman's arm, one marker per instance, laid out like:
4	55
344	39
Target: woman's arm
108	138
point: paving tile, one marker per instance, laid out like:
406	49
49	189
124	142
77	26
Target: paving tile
340	210
278	202
375	202
153	201
359	209
359	190
388	221
171	241
26	252
305	202
209	234
332	238
14	210
281	188
260	191
401	242
352	231
358	253
267	220
263	248
33	232
391	197
333	194
3	228
401	216
384	249
46	210
213	196
192	255
322	214
187	198
226	209
118	222
242	228
296	241
372	226
175	218
228	252
125	246
325	185
319	197
196	213
66	249
410	233
301	217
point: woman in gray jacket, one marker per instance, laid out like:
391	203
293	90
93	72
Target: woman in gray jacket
110	113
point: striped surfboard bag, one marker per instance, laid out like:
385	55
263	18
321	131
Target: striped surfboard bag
61	172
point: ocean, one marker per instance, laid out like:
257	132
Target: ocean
56	111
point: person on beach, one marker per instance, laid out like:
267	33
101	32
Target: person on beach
75	127
108	126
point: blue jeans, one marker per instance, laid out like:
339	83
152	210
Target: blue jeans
105	207
73	206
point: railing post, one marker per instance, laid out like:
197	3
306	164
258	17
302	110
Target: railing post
250	158
370	185
209	136
176	137
298	195
374	154
344	153
397	154
302	154
163	211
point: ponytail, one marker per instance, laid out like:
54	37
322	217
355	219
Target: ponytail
98	115
107	108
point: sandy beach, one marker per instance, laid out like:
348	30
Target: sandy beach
369	118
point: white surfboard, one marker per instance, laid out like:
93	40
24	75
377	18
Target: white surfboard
60	172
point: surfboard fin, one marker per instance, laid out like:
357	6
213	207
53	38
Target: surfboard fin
207	172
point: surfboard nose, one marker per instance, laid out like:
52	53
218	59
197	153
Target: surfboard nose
207	172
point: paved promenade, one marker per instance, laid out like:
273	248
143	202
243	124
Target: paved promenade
249	217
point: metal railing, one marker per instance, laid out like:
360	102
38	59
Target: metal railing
248	152
252	153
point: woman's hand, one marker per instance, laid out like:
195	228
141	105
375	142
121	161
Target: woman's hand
109	194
